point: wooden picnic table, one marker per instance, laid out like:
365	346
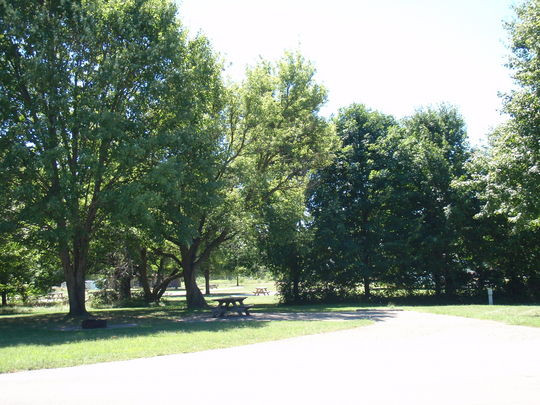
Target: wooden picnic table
261	290
230	304
55	296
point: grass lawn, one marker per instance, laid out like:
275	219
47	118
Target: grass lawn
525	315
33	339
41	337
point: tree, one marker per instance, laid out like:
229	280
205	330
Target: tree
385	209
513	178
24	270
398	177
98	99
439	152
344	200
505	179
273	136
15	275
285	240
502	254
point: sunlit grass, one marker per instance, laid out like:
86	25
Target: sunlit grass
33	342
30	337
525	315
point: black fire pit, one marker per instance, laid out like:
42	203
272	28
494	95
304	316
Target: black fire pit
94	323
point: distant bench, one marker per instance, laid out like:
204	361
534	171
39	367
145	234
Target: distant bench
54	297
261	290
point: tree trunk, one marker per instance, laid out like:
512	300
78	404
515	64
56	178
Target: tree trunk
194	297
449	285
207	280
124	288
123	275
194	255
296	272
4	298
155	292
367	287
142	268
159	289
438	284
75	271
76	291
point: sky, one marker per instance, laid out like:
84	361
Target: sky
394	56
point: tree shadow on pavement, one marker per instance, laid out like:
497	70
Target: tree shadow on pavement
375	315
378	314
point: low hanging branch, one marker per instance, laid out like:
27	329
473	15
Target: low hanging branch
154	293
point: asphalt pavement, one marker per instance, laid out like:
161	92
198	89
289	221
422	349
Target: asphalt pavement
403	358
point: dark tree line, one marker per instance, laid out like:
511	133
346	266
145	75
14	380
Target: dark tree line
409	205
400	207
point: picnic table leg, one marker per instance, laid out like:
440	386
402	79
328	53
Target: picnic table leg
218	312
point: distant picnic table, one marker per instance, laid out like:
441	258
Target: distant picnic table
261	290
230	304
54	296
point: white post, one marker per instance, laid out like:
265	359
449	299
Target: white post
490	296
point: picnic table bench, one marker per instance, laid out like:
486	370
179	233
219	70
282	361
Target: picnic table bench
230	304
261	290
54	296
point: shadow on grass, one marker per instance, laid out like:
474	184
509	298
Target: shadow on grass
45	329
13	311
54	328
350	306
366	314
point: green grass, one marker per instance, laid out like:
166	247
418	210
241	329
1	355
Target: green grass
30	337
524	315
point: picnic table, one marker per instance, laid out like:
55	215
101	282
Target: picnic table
230	304
54	296
261	290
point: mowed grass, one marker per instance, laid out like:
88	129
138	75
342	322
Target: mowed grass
524	315
41	337
48	340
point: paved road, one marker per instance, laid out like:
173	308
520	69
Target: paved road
404	358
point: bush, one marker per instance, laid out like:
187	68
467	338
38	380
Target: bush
103	298
110	298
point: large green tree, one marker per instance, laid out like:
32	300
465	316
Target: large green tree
25	268
438	143
385	210
285	242
505	178
502	253
344	201
513	178
98	99
273	136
